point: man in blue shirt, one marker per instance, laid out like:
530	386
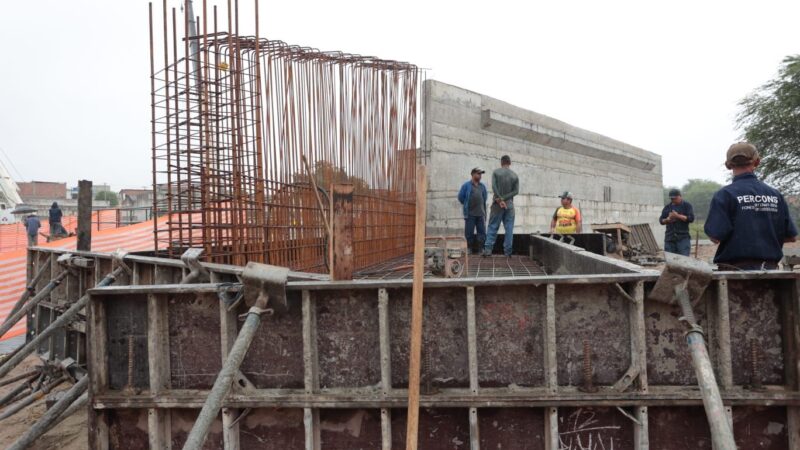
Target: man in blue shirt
748	219
677	216
473	196
32	225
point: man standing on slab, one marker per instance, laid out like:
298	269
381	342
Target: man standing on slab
677	216
473	196
505	186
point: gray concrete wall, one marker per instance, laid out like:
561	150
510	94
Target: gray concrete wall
463	129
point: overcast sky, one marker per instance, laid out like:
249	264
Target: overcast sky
74	75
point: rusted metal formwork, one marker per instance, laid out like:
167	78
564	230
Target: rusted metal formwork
505	359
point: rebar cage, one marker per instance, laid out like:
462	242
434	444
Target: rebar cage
250	134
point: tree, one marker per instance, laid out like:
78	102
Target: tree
770	119
107	196
699	194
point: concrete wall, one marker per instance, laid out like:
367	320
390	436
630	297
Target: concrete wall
463	129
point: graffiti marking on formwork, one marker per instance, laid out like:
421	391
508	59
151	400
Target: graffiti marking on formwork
583	433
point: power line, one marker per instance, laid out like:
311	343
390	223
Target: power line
11	163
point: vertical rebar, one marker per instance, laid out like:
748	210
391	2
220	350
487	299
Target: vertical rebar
130	362
588	382
755	366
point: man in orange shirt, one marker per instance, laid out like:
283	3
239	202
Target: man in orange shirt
567	218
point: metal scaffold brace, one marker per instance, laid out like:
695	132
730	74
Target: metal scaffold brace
265	292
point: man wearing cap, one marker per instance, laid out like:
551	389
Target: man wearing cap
505	186
748	219
677	215
567	218
473	196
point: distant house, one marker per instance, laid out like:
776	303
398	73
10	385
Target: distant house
42	194
136	205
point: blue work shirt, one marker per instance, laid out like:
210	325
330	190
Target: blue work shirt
464	194
751	221
679	229
32	225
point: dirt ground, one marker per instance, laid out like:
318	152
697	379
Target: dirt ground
70	434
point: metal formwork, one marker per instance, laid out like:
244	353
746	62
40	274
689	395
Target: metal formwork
509	362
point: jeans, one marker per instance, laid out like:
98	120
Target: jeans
473	224
681	246
506	216
33	240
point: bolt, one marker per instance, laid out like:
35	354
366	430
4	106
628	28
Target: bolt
588	385
755	378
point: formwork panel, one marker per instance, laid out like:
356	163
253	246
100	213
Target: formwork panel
126	329
598	315
756	315
511	429
194	340
347	336
439	429
673	428
272	429
668	359
181	424
275	358
594	428
510	338
127	429
759	427
444	337
353	429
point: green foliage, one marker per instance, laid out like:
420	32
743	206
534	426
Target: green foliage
770	119
699	194
108	196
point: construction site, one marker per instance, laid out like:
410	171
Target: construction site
303	280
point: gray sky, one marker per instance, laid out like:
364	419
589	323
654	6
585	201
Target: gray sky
74	78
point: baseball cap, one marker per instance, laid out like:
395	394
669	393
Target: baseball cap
744	149
566	194
674	193
477	170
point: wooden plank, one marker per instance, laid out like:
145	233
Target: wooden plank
343	256
550	356
474	431
311	421
386	366
158	420
639	334
793	420
386	429
472	341
228	321
641	433
552	441
415	347
97	361
723	321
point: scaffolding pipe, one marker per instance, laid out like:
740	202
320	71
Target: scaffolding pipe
62	320
223	383
721	433
32	397
54	415
24	309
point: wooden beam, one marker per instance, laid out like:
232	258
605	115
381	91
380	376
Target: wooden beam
386	366
472	340
97	359
159	423
229	329
311	421
723	321
343	255
415	348
552	441
550	349
641	430
84	215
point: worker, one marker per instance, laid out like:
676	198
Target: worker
748	219
473	196
505	186
567	218
55	221
32	225
677	215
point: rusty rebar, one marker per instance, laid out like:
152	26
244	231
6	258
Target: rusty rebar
588	382
229	142
755	366
130	362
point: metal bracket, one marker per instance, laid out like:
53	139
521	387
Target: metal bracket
197	273
265	286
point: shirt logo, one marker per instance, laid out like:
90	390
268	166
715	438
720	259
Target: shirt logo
758	203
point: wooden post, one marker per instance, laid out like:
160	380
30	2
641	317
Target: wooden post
84	215
415	349
343	261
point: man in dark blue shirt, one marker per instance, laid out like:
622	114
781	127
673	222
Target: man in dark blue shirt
473	196
748	219
677	216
